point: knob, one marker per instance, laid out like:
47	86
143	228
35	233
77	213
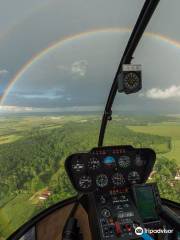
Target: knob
102	199
106	213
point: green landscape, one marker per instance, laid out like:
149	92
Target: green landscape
33	149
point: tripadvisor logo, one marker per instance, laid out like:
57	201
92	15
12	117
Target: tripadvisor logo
140	231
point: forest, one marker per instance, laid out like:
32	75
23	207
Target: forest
33	150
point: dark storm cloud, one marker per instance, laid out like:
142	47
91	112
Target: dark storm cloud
12	12
75	72
82	76
59	20
78	78
166	19
4	78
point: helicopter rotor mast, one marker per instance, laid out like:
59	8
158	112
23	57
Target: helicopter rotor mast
145	15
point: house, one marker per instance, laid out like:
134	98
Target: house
44	195
177	177
152	174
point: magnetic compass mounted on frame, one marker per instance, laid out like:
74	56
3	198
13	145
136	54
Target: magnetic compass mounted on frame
130	79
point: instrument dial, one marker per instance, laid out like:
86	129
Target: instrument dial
133	177
131	81
85	182
78	165
138	161
118	179
94	163
109	161
124	161
102	180
106	213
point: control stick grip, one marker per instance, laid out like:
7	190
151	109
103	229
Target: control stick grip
71	230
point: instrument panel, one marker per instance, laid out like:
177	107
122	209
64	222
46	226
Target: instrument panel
108	167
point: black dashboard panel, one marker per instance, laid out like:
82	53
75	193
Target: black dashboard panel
108	167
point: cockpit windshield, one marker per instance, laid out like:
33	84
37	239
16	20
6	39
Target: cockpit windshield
150	118
57	63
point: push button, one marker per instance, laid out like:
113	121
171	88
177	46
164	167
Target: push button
128	228
117	228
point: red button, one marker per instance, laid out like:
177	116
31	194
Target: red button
128	227
117	228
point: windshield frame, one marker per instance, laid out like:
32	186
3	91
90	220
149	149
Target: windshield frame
145	15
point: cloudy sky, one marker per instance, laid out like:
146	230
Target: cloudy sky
84	41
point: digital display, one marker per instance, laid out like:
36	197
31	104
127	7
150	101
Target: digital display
146	203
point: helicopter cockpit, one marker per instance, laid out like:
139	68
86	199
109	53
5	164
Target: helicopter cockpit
113	202
114	197
119	203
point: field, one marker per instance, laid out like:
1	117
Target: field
33	150
164	129
15	208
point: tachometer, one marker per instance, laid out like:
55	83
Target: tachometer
133	177
124	161
85	182
118	179
94	163
102	180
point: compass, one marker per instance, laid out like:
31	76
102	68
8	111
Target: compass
132	82
129	80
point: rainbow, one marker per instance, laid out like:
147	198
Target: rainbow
54	45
